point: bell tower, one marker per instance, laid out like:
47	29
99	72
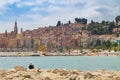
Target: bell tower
6	33
15	28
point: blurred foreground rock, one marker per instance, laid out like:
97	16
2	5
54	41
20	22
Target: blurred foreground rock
21	73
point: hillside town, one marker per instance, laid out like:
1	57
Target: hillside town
64	37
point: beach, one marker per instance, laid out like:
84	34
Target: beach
21	73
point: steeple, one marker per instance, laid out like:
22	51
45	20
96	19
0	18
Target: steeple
5	33
15	28
21	30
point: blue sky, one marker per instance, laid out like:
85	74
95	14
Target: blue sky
31	14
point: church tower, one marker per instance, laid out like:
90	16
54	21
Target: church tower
21	30
15	28
6	33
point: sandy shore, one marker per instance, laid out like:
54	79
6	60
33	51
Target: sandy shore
21	73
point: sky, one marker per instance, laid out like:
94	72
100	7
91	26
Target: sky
31	14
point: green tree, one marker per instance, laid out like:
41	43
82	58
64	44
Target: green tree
108	44
103	22
117	19
114	44
104	45
58	23
69	22
111	26
98	42
84	21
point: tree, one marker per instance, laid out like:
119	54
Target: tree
42	48
114	44
98	42
107	22
32	43
92	22
69	22
96	29
84	21
108	43
80	48
58	23
103	22
78	20
117	19
68	47
60	49
110	28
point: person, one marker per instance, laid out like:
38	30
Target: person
31	66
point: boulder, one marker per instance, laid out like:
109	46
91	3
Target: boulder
20	68
46	76
18	78
9	77
72	77
1	78
28	79
80	77
20	73
60	71
88	75
24	74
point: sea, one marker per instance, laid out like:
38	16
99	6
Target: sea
63	62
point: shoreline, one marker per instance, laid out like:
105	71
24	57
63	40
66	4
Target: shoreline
21	73
30	54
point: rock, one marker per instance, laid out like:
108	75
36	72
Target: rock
60	71
102	78
28	79
15	74
117	78
46	76
73	77
24	74
3	74
8	77
20	68
18	78
88	75
80	77
1	78
20	73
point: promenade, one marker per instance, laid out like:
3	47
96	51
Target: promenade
30	53
16	54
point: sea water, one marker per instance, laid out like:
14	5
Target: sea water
64	62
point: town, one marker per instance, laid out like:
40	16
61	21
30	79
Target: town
78	36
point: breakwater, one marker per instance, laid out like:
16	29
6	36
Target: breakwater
21	73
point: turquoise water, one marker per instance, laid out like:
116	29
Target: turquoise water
68	62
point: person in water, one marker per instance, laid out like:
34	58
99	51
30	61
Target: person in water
31	66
